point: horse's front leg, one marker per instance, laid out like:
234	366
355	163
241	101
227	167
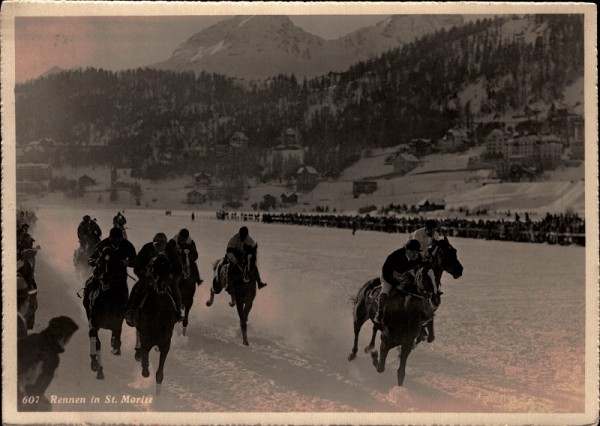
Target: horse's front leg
95	353
115	341
164	350
372	342
405	352
243	315
211	299
145	349
430	335
384	348
186	317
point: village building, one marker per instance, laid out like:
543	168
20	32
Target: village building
453	140
33	172
306	178
196	197
431	204
363	187
404	163
269	202
289	199
202	179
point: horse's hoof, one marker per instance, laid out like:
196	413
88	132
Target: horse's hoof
352	356
145	372
100	375
116	351
138	355
184	329
232	304
246	343
430	338
380	369
95	365
209	303
159	378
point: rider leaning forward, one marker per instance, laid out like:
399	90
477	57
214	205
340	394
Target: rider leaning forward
143	268
236	249
398	271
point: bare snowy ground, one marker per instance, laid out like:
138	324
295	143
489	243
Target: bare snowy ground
510	332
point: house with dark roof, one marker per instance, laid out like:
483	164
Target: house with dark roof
306	178
431	204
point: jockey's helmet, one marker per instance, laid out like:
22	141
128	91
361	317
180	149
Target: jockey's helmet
431	224
160	238
116	233
160	266
243	232
184	233
413	245
86	218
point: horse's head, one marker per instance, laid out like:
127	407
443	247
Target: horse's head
249	261
160	269
443	258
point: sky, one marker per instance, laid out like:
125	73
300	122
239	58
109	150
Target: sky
123	42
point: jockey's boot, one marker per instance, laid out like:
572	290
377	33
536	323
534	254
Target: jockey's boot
261	284
130	317
381	303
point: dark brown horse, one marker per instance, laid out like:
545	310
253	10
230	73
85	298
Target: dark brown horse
241	279
104	300
157	317
187	285
407	311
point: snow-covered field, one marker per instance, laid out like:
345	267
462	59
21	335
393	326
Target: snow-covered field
510	332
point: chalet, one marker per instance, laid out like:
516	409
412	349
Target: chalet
453	140
431	204
404	163
421	146
363	187
494	141
203	179
289	199
196	197
33	172
85	180
307	178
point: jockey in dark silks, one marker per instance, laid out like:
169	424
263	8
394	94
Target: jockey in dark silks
236	248
183	254
142	269
88	233
397	271
121	254
26	268
119	221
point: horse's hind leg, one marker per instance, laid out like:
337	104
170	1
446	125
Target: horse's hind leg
380	363
138	347
95	353
115	342
145	360
211	299
358	323
186	317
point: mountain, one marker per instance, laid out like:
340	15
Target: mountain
54	70
257	47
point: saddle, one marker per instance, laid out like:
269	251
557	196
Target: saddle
220	268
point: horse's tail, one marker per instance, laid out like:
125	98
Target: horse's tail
361	297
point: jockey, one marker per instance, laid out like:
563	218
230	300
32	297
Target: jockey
426	235
147	253
182	253
397	272
119	220
88	232
122	255
236	249
159	269
26	269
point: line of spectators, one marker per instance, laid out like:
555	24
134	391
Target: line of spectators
563	229
38	353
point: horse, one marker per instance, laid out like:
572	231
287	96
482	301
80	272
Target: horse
105	302
407	311
187	286
156	319
241	285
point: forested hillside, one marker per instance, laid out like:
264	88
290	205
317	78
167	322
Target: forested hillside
412	91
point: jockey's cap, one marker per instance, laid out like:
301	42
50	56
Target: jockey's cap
28	253
61	327
87	217
244	231
184	233
159	238
413	245
116	233
431	224
160	265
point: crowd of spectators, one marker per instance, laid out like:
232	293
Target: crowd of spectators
563	229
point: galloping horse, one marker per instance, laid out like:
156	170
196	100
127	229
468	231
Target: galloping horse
157	317
407	310
241	286
105	301
187	286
